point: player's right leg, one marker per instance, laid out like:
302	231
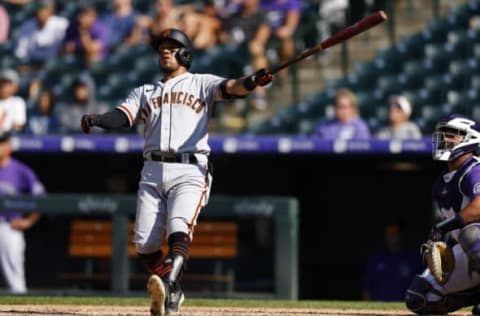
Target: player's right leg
149	227
12	265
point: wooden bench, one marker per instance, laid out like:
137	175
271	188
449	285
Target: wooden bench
216	240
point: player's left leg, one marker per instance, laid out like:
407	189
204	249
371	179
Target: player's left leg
469	239
188	191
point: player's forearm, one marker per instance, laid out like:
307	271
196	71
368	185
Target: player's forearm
33	218
111	120
237	87
244	85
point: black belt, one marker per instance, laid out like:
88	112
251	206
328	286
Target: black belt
176	158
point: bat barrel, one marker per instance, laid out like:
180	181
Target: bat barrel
350	31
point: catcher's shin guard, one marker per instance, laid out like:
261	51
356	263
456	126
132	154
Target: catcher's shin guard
469	239
416	298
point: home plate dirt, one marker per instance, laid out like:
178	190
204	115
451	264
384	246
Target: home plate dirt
79	310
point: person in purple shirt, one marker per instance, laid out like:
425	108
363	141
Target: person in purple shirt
15	178
284	17
456	193
87	37
389	271
346	124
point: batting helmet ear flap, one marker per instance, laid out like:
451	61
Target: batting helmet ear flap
184	57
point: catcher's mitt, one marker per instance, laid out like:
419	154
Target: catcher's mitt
439	258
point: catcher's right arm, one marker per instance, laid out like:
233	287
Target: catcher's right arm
439	258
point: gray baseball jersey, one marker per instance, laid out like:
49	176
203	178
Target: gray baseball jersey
175	113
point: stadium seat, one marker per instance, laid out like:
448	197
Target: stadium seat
389	84
313	106
415	69
464	99
436	31
411	47
367	102
366	74
462	69
439	82
307	126
390	60
430	115
459	18
475	82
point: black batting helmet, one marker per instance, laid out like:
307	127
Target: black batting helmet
184	55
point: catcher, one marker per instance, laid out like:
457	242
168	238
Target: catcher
452	279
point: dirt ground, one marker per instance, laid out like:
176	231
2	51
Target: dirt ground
75	310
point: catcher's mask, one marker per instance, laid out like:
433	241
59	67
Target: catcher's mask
184	54
454	136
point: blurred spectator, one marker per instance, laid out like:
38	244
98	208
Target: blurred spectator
399	126
201	28
125	25
4	25
16	178
41	120
87	37
284	16
388	271
248	30
333	16
40	38
18	2
84	102
346	124
12	108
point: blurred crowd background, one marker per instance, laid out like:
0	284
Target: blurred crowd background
61	59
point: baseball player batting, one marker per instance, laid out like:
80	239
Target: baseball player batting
175	179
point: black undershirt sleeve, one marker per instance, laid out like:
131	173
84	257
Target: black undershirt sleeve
113	119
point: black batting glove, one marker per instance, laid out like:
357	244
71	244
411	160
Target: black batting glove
261	77
87	121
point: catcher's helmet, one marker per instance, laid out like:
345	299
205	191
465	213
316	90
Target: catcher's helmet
454	136
184	55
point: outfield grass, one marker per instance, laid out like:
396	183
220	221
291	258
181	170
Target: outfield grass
135	301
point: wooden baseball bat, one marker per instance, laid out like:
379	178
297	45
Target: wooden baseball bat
348	32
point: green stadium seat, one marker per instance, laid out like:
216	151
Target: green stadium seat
459	18
367	72
462	69
307	126
464	98
475	82
390	60
415	68
439	82
389	84
429	117
314	106
436	31
367	102
359	83
411	47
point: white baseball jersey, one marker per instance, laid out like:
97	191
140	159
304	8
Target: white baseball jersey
175	113
13	112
